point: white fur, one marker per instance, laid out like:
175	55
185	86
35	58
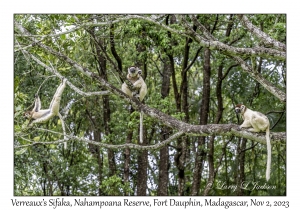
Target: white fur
140	86
257	122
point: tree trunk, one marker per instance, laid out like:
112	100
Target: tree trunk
105	100
200	156
113	49
106	114
240	165
127	157
163	177
212	171
211	167
142	155
142	171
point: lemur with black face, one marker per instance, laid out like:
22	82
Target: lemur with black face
257	122
134	76
140	90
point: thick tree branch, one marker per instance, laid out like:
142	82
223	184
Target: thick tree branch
199	130
66	58
259	78
267	40
76	89
80	26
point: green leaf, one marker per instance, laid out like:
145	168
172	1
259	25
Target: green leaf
63	36
21	151
37	138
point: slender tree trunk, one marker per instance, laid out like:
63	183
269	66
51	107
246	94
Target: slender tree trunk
183	143
105	101
184	82
98	153
163	177
127	157
142	155
95	135
242	163
142	172
185	109
226	171
212	171
211	167
200	156
240	173
180	154
110	152
95	132
113	49
106	114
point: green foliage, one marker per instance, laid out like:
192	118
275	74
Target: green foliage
113	186
86	169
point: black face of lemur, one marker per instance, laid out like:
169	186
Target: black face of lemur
239	107
237	110
132	69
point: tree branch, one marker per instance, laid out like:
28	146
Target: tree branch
258	77
267	40
64	130
201	130
108	146
76	89
82	25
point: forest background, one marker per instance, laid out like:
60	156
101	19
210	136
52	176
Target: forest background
196	67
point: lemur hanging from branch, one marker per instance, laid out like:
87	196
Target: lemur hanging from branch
38	115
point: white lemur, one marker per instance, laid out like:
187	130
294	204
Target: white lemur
140	90
258	122
39	115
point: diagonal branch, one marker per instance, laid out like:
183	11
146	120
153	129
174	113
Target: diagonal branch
267	40
76	89
82	25
85	71
259	78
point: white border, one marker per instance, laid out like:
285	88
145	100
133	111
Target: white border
154	6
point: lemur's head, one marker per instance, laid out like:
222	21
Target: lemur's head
133	71
240	108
